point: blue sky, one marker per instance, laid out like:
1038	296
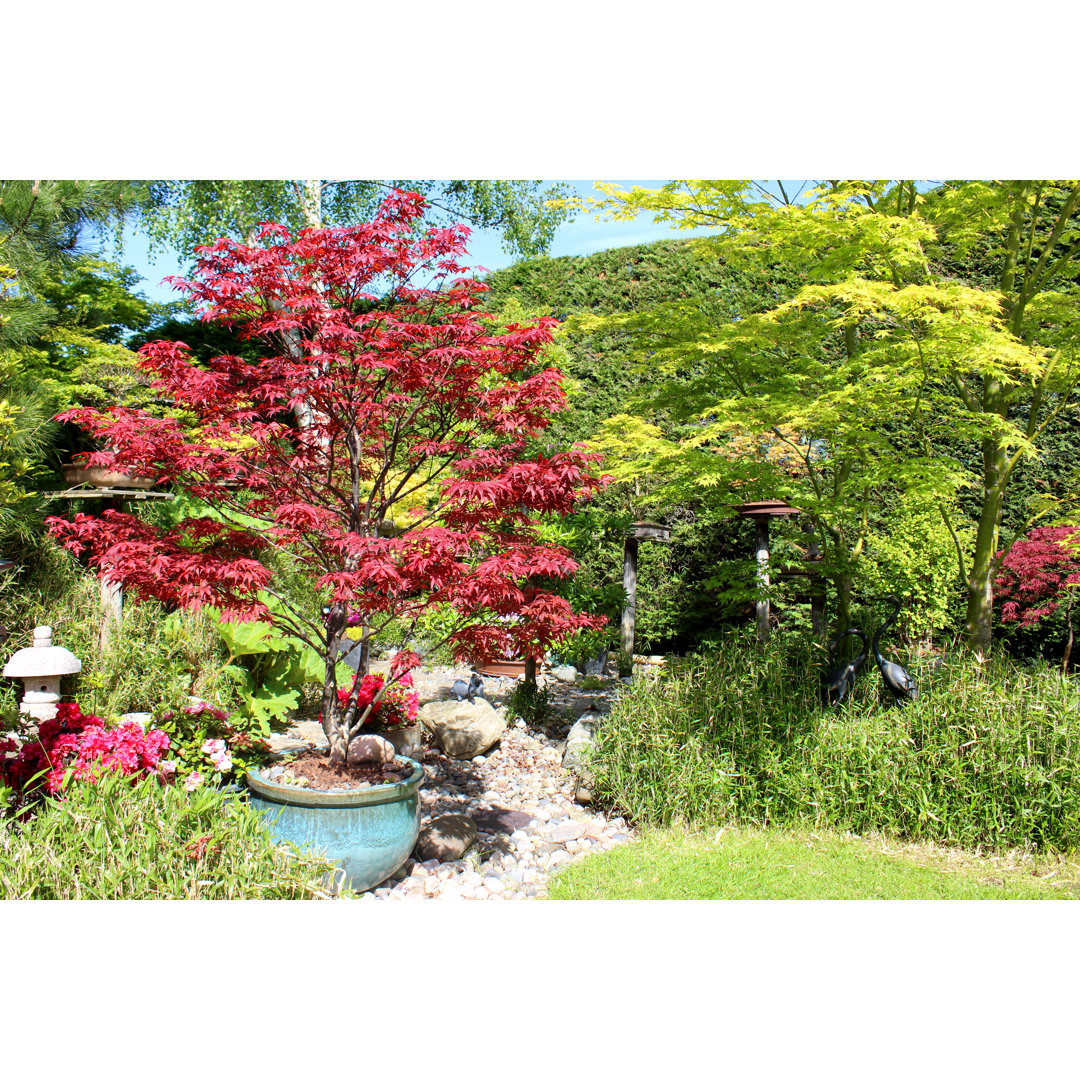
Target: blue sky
582	236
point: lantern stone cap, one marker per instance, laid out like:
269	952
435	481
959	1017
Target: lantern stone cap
42	658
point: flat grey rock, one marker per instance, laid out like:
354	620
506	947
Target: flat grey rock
497	819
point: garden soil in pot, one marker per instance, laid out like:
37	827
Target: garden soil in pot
314	766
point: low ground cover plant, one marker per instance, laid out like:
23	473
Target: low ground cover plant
989	755
529	702
209	743
115	840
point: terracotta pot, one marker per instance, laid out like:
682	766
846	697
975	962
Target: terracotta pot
406	739
105	478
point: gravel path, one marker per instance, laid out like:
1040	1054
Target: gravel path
519	795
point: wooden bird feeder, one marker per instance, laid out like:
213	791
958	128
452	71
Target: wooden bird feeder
91	482
762	513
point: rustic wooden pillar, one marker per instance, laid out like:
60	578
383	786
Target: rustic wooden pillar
762	536
629	580
112	611
817	609
112	598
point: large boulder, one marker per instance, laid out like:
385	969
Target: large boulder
579	740
463	729
566	673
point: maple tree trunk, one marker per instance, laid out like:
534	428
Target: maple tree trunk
329	710
980	606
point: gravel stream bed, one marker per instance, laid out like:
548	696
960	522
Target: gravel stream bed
519	795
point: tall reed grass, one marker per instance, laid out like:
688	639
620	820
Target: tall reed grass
989	756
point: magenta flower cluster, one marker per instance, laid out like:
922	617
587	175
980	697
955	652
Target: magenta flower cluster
82	743
396	707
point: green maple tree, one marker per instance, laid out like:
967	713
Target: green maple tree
881	356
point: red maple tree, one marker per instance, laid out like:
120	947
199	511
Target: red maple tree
382	442
1038	573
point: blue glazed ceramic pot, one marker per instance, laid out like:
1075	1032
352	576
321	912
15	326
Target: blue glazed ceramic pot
368	833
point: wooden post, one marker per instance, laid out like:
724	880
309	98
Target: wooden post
112	611
112	598
629	580
762	533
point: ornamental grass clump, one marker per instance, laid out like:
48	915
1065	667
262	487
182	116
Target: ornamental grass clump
383	442
988	756
115	840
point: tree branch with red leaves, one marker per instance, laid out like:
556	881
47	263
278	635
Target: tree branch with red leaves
1038	574
409	484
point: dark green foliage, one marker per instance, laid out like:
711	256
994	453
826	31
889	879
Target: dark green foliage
603	367
680	593
987	756
205	339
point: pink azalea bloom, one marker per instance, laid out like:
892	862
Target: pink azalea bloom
193	781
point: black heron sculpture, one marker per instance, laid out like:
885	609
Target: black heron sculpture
836	685
462	689
897	681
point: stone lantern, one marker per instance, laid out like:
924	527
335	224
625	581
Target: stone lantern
40	668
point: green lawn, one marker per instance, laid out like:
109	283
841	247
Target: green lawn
786	864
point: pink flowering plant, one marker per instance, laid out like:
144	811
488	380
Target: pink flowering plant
396	707
86	747
209	745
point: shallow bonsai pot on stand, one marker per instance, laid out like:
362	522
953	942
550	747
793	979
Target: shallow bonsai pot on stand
368	832
503	669
105	478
